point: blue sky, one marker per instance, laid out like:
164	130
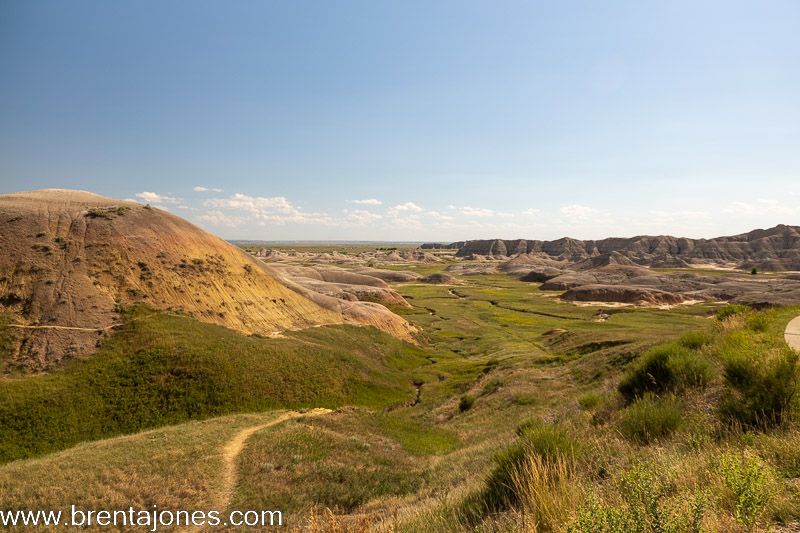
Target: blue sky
412	120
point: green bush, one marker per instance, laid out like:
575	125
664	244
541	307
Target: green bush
695	340
760	388
665	368
644	491
757	322
536	437
466	403
589	400
492	386
650	419
651	373
730	310
689	370
750	484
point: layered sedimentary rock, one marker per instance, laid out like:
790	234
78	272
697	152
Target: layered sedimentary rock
775	249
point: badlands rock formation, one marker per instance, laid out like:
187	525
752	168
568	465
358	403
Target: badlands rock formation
71	258
775	249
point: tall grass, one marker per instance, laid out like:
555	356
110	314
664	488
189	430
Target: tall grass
548	492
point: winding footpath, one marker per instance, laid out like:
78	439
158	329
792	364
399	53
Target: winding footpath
792	333
232	450
234	447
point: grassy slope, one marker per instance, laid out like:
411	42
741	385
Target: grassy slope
176	468
162	369
488	339
359	462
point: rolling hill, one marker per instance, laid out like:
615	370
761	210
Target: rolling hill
73	259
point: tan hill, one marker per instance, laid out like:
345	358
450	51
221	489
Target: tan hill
71	258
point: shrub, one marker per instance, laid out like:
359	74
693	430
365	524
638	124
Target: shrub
689	370
754	271
780	449
466	403
761	389
492	386
588	400
645	507
750	485
650	374
729	311
757	323
665	368
695	340
547	442
650	419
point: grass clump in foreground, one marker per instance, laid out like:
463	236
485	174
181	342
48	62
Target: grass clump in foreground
539	445
762	383
651	418
162	369
721	408
667	368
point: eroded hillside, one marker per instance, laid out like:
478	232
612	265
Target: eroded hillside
72	258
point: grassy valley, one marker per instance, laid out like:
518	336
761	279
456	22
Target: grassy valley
518	411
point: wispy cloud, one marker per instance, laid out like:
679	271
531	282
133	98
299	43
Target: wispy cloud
368	201
762	206
404	209
219	219
200	188
155	198
477	212
579	212
269	209
361	217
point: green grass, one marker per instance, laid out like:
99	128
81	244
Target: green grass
650	419
521	352
176	467
339	461
414	437
162	369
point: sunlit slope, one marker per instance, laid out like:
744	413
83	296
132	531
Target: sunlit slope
161	369
71	259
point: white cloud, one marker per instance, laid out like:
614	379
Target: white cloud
200	188
270	210
155	198
577	211
436	215
531	212
220	219
404	209
477	212
761	206
368	201
408	206
360	217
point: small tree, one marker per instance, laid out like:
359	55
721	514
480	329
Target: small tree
754	271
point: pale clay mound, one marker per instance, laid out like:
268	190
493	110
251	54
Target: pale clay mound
71	257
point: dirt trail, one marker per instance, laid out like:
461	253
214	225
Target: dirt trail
69	328
234	447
